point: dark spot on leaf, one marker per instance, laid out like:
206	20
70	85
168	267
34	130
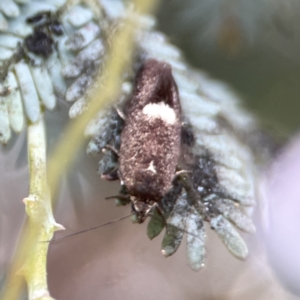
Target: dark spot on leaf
39	43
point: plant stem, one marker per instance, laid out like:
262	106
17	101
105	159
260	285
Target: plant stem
33	256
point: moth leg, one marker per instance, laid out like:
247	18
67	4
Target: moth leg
108	166
194	198
161	213
121	178
181	172
111	148
178	173
112	176
120	113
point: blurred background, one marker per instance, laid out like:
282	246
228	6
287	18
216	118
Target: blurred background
252	45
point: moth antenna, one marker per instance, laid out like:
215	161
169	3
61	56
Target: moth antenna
122	197
89	229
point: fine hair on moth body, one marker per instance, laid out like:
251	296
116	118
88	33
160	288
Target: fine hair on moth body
150	140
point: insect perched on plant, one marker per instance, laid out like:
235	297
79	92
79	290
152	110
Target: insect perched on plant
150	140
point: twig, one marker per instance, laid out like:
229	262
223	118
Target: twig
41	221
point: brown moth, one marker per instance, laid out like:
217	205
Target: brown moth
150	140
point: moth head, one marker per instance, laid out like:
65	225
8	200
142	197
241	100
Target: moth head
140	209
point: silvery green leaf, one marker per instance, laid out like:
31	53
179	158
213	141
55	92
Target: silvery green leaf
195	240
35	7
9	41
83	37
63	53
187	84
230	237
233	213
79	16
241	188
4	122
207	124
149	41
171	241
108	163
44	86
209	108
156	225
87	56
54	67
15	108
57	3
28	91
3	23
114	9
5	53
175	226
18	28
78	87
78	108
22	1
99	126
9	8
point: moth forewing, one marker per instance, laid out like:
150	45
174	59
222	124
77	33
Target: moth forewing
150	140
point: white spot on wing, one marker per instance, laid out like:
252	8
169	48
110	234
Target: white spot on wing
161	111
151	167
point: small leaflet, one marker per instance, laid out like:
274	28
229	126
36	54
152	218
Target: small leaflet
171	241
155	225
207	124
18	28
175	227
105	124
83	37
195	240
78	87
28	91
9	8
96	126
5	53
230	237
9	41
209	108
83	60
108	163
3	23
4	122
44	86
14	102
79	15
54	68
232	211
78	108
